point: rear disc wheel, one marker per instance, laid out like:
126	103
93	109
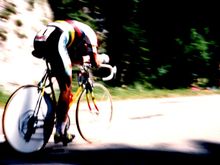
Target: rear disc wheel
18	110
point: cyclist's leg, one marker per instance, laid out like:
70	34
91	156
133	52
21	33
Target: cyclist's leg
63	101
62	108
62	70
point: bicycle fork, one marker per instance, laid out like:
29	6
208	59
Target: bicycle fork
90	94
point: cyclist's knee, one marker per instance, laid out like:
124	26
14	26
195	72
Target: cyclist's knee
66	93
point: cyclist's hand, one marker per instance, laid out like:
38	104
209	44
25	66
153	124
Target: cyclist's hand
103	58
86	59
87	62
87	65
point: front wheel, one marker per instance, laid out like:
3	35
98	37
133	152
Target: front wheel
18	113
94	113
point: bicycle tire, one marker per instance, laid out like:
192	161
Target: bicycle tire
91	126
18	109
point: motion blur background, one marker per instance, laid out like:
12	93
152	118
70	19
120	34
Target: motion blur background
155	45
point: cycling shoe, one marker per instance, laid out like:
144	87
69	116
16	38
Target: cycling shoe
64	138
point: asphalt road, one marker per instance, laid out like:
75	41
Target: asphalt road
151	131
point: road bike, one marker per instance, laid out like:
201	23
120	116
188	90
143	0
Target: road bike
29	114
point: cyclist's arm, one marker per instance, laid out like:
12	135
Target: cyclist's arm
99	59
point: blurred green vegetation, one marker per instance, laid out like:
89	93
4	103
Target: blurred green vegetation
3	98
170	50
139	92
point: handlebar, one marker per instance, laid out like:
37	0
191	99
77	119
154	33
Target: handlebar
87	66
112	69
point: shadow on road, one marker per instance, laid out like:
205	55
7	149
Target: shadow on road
123	155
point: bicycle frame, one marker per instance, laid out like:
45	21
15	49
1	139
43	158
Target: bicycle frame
85	84
48	76
75	96
42	85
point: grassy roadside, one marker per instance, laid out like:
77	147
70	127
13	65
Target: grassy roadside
140	93
3	98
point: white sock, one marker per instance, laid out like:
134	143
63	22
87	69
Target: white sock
63	126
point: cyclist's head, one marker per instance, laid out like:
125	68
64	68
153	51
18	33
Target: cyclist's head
39	49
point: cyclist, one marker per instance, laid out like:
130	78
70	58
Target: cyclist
64	43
